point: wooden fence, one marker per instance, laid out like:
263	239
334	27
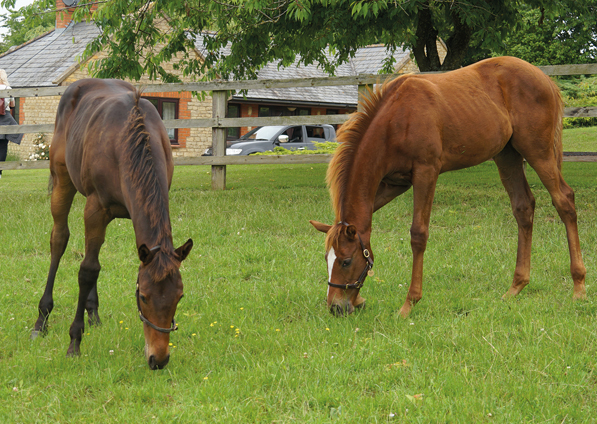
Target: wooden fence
219	123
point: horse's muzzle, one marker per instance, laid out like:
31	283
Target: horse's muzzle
154	364
342	309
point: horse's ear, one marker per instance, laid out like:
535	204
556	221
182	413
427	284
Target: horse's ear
324	228
145	255
183	251
351	232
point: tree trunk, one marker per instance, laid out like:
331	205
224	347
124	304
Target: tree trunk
425	48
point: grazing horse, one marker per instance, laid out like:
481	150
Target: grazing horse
416	127
111	146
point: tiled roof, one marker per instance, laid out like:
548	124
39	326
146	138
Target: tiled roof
41	62
367	60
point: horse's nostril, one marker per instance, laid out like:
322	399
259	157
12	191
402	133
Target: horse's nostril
152	363
164	363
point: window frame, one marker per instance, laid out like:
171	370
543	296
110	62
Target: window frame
160	101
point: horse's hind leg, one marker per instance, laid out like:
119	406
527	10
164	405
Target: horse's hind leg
96	221
562	197
510	166
63	192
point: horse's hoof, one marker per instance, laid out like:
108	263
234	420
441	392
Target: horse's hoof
94	322
405	311
73	352
509	295
582	295
38	333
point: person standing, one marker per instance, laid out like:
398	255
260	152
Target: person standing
7	119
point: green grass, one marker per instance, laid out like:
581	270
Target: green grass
257	266
582	139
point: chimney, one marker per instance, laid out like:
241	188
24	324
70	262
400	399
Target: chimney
65	10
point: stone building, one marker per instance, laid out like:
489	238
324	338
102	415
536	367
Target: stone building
53	59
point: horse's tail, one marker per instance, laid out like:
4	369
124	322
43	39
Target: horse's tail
558	147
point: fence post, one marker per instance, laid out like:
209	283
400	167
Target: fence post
362	90
218	172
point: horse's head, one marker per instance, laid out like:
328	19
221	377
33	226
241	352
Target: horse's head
159	289
349	263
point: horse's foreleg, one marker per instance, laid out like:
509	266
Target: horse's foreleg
424	181
63	193
92	306
96	221
510	166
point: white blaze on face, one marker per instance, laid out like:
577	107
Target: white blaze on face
331	260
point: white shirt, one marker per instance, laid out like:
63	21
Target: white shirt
6	100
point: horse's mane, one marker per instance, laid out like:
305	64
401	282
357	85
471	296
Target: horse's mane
142	174
349	136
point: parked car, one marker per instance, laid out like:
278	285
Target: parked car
291	137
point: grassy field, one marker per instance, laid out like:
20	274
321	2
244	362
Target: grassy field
580	139
256	343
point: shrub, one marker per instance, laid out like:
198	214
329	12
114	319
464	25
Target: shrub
322	149
41	148
578	91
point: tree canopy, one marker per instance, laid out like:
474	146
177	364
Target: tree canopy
247	34
559	40
25	24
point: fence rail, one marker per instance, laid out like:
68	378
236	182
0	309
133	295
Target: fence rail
364	79
219	123
569	112
261	160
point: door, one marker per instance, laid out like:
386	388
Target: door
296	139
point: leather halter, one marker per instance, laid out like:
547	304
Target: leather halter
367	271
174	326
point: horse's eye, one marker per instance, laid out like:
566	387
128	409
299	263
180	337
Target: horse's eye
346	263
143	299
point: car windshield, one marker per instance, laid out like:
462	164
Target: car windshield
262	133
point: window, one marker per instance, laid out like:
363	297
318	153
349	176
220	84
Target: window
316	132
283	111
295	134
233	112
168	109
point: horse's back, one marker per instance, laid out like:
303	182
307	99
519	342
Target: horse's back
92	128
83	102
469	115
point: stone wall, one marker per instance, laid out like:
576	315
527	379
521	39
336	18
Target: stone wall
410	67
34	110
